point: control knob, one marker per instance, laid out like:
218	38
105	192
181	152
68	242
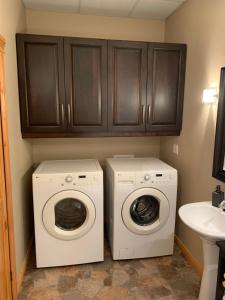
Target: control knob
146	177
68	179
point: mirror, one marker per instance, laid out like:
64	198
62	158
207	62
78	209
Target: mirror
219	149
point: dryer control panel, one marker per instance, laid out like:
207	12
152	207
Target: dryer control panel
71	180
79	179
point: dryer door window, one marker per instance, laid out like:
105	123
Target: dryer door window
68	215
145	211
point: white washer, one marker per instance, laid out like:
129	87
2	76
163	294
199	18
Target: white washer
68	212
140	207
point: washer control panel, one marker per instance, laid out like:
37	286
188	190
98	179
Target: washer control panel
155	178
145	178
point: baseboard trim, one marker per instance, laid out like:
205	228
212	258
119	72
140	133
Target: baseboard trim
21	273
188	255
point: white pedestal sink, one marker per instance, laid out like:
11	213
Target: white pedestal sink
209	222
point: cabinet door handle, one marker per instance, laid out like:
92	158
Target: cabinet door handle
149	113
69	113
143	114
63	114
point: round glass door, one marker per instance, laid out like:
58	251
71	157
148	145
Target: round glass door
68	215
145	211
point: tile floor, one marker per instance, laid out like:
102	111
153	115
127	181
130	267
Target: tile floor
162	278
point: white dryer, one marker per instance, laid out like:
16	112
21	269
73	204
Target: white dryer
140	207
68	212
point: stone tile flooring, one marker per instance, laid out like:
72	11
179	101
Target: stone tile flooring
162	278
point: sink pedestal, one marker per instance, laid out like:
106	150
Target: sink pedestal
209	277
209	222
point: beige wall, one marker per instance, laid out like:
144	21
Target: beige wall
98	27
200	24
68	24
12	20
99	148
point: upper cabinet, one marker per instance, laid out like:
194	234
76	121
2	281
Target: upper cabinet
165	90
127	77
41	84
86	84
91	87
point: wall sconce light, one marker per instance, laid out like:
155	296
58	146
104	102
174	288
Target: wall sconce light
209	96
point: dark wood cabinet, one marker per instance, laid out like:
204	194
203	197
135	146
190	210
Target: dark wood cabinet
132	71
86	84
127	77
92	87
41	84
165	89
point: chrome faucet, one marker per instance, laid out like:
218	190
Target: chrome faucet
222	205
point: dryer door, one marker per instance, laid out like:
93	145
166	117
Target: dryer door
68	215
145	211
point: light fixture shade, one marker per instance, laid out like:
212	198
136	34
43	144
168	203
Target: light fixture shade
209	95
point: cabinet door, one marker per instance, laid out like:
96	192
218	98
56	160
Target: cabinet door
127	67
41	84
165	92
86	84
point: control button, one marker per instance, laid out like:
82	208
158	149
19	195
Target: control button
147	177
68	179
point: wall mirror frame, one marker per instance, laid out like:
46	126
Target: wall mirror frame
219	148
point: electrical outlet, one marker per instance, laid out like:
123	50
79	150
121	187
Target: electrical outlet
175	149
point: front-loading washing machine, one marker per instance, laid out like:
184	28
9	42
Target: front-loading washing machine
140	207
68	212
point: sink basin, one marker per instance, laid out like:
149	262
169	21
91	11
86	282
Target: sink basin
205	219
209	222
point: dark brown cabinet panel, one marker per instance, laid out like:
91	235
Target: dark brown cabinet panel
91	87
86	84
41	84
127	73
166	71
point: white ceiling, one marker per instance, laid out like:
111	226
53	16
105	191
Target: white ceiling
146	9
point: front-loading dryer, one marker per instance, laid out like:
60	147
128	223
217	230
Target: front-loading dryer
68	212
140	207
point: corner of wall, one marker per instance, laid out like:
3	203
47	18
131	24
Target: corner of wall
13	20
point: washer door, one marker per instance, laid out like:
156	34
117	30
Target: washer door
145	211
68	215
